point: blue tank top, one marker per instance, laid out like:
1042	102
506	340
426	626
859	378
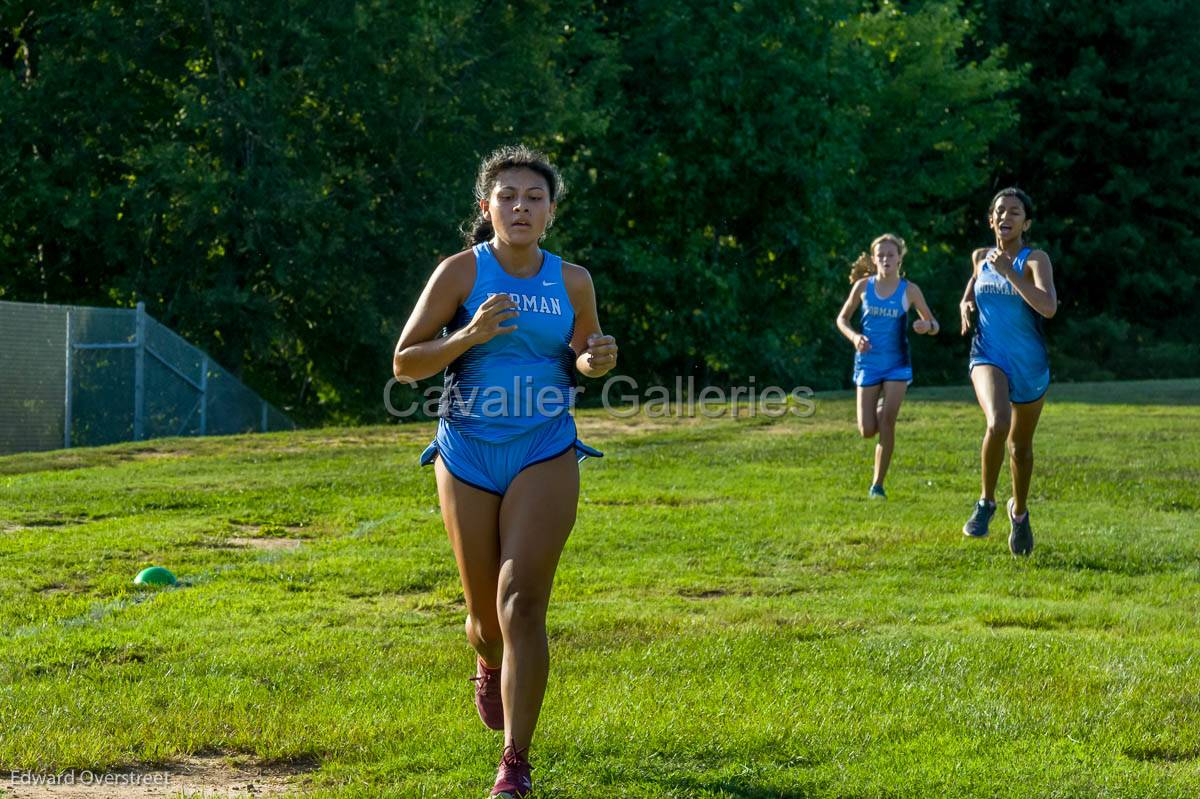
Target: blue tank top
1007	325
885	323
510	385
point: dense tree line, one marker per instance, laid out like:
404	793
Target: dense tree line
277	180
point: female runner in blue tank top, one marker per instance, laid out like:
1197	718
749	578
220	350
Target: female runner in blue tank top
1012	288
519	322
881	361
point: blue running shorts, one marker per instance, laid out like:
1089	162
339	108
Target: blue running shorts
1026	384
865	376
492	467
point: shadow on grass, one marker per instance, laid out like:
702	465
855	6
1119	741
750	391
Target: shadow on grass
1115	560
1162	753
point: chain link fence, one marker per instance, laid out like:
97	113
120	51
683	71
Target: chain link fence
72	376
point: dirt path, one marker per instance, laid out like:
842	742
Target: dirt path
199	776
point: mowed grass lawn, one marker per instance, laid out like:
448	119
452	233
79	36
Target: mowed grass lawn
732	617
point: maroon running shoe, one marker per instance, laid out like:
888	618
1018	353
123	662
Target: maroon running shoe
512	778
487	695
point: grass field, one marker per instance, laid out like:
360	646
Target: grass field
732	617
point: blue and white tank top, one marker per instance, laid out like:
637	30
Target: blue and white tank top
510	385
885	323
1007	326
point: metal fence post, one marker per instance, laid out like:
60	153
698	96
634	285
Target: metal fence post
139	375
204	395
67	389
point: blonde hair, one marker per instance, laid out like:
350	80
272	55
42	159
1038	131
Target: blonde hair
863	266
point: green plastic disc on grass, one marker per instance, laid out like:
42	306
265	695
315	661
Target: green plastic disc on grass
155	575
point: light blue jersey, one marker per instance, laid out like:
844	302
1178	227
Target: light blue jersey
505	387
885	323
1009	333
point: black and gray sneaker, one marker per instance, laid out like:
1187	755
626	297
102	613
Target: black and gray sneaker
977	525
1020	540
